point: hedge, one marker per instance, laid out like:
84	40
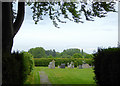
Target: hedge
58	61
28	64
107	67
16	67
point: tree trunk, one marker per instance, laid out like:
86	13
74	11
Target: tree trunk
9	29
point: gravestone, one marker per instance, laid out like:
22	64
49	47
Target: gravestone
67	64
85	66
58	66
52	65
62	66
79	67
70	65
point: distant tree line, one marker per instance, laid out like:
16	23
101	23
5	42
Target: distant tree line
40	52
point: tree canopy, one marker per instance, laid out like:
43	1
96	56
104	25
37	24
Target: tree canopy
37	52
56	11
71	51
40	52
73	11
77	55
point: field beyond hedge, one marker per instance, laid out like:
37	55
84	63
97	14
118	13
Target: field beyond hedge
63	76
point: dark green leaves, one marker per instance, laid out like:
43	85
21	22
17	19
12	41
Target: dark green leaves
70	10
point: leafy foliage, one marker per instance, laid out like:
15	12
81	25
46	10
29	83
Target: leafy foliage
16	68
28	63
70	51
89	56
72	11
51	53
37	52
77	55
107	64
12	67
40	52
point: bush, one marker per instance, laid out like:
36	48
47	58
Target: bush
107	67
58	61
27	63
16	67
89	61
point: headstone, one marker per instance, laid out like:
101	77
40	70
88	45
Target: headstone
72	65
58	66
85	66
62	66
52	65
80	67
68	65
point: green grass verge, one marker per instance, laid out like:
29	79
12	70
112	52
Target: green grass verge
68	76
33	78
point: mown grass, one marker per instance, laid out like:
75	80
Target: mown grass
65	76
33	78
69	76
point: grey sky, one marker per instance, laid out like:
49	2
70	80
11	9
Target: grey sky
103	32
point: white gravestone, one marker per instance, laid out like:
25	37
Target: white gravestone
58	66
52	65
70	65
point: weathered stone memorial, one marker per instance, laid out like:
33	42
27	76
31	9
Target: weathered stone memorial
62	66
70	65
58	66
85	65
79	66
52	65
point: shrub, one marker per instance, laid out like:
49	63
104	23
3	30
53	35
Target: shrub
107	67
16	67
27	63
89	61
11	69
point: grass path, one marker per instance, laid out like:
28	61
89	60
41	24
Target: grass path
33	78
43	78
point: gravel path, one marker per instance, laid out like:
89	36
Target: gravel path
44	78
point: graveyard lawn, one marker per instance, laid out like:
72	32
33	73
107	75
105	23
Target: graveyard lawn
68	76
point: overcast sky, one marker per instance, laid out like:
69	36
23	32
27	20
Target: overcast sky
103	32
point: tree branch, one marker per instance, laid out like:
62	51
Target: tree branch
20	17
